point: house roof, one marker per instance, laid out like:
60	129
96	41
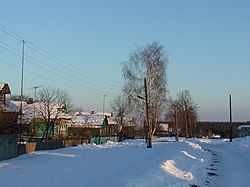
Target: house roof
4	88
28	110
1	85
88	119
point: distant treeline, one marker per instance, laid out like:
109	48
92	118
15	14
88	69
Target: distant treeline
207	128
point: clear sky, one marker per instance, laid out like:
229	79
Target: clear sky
208	44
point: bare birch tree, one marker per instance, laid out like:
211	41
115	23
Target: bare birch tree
173	115
119	108
148	62
187	110
51	103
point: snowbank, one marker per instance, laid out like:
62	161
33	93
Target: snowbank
127	163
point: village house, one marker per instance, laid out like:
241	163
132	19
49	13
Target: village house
8	114
31	116
91	124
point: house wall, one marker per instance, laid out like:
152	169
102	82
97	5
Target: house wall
1	96
8	146
84	131
40	128
61	128
8	118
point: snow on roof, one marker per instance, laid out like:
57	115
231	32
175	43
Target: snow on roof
10	106
243	126
29	109
108	114
110	121
78	121
1	85
94	120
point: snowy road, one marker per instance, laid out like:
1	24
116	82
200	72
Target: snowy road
127	163
230	162
130	163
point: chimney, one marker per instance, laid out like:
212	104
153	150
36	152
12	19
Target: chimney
30	101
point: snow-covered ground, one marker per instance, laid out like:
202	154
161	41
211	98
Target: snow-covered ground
130	163
230	164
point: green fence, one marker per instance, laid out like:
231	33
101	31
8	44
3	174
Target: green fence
101	140
8	146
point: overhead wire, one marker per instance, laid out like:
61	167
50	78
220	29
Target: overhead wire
38	75
75	69
14	35
50	71
89	81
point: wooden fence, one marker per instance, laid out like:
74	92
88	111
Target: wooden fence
55	144
8	146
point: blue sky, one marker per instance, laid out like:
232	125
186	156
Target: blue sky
208	44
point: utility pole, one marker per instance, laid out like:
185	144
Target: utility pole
149	142
176	124
230	115
21	99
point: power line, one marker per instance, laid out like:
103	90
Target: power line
9	33
49	70
72	66
91	81
43	77
64	73
48	78
16	36
38	75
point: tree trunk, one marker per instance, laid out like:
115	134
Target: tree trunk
47	133
149	141
176	126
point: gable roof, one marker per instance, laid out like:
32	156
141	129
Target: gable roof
4	88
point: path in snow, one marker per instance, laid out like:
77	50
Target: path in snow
230	163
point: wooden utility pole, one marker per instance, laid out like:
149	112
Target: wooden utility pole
176	124
149	136
230	116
